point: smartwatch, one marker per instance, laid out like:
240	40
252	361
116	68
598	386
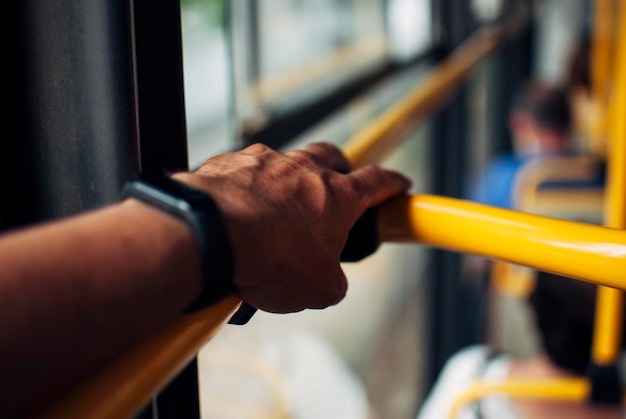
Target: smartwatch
204	219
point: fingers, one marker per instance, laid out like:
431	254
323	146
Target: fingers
335	289
325	154
375	185
372	184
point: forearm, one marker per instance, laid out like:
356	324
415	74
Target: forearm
77	292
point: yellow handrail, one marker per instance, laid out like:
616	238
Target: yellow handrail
584	251
564	389
123	388
600	70
608	321
601	49
383	134
572	389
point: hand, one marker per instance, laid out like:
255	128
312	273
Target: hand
288	216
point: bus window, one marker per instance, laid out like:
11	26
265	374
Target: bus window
487	10
288	54
410	27
206	79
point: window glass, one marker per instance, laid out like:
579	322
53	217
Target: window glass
486	10
287	53
206	75
410	27
294	33
248	61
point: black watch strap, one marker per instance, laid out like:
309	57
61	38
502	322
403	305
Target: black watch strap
201	214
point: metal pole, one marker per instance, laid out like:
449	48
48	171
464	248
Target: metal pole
75	142
162	136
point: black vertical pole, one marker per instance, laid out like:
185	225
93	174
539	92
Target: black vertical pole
449	329
449	166
72	142
159	85
163	144
94	84
514	67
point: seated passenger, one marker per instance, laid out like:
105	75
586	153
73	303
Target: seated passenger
563	312
540	123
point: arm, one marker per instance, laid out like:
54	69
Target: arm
76	292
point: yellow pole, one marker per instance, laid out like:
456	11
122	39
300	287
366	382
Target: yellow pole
608	322
600	62
583	251
572	390
383	134
600	73
125	387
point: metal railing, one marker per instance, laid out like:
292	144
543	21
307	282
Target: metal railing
591	253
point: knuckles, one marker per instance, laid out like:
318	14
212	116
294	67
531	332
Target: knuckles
302	157
257	148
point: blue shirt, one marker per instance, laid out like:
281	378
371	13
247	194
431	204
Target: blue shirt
495	186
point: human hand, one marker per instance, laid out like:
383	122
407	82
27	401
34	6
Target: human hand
288	216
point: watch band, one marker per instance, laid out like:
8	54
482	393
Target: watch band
201	214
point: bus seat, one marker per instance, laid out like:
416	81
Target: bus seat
589	122
512	280
568	187
570	390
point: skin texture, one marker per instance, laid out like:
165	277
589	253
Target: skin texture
317	201
76	292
